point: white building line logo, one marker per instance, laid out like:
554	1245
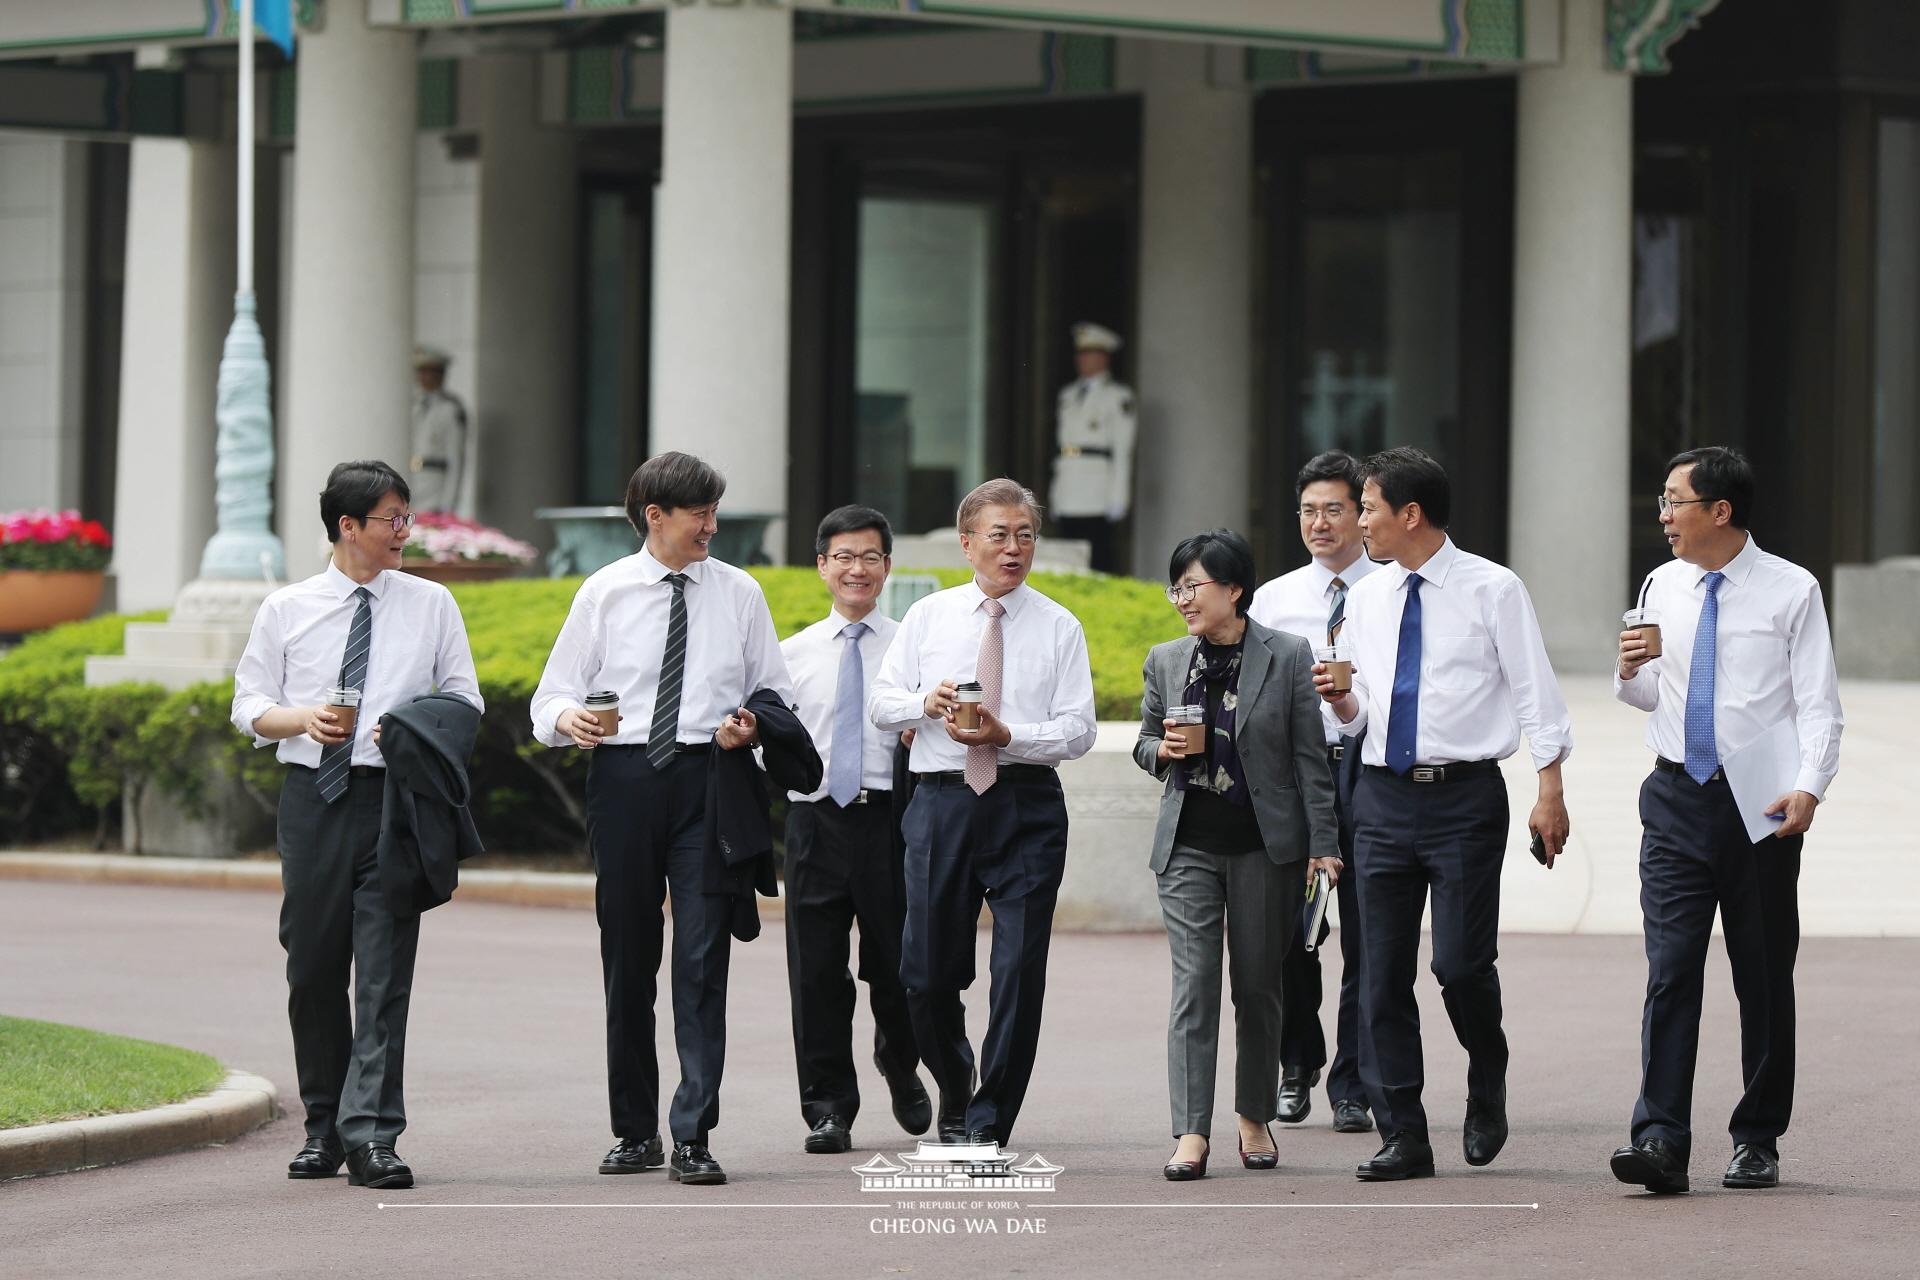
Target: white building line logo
936	1166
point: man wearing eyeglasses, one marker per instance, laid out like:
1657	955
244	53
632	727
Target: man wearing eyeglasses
391	637
1311	602
988	820
1744	650
842	865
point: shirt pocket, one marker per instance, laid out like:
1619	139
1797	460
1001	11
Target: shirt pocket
1457	663
1753	664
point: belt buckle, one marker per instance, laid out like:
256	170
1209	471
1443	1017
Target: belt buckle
1425	773
1337	751
1069	450
859	797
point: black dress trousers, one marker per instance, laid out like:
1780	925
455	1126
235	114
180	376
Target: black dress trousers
1302	1042
1695	858
646	829
1412	838
841	868
349	961
1009	849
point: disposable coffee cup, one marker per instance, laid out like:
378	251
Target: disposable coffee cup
605	707
971	696
344	702
1647	623
1190	726
1339	665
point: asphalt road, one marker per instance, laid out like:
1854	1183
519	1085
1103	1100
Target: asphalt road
506	1092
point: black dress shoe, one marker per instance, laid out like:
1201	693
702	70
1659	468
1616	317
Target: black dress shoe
830	1137
320	1158
953	1120
1188	1170
1752	1166
1653	1164
694	1165
982	1138
373	1164
1351	1117
1296	1093
912	1108
1485	1131
1400	1159
634	1156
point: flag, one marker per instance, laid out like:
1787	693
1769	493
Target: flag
275	19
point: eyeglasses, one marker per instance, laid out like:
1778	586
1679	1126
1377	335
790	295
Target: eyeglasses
1667	504
998	538
847	559
401	523
1182	592
1332	512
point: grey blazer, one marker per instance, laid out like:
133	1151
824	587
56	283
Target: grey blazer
1279	734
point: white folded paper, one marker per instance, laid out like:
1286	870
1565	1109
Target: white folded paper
1760	773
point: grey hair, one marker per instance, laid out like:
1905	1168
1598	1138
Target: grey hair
996	493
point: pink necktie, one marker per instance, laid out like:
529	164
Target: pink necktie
983	763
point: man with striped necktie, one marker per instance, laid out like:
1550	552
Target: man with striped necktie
392	637
683	641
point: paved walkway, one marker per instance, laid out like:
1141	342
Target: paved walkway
509	1109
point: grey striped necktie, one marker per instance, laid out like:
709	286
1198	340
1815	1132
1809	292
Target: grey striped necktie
661	738
1337	616
335	757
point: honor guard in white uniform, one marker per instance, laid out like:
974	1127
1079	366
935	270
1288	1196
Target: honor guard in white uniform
438	464
1093	473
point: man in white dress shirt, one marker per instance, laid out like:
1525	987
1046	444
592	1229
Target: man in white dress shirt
1311	602
361	624
842	861
1744	647
987	820
683	641
1449	667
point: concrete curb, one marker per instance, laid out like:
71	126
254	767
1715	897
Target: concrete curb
240	1105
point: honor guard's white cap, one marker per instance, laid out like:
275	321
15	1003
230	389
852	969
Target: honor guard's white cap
1094	337
430	358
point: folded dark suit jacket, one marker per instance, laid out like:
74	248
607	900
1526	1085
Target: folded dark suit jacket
739	852
425	828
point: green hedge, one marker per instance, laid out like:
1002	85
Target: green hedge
66	751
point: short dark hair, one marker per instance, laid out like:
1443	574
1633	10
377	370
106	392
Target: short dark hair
355	488
1720	474
1334	464
851	518
1226	558
670	481
1407	474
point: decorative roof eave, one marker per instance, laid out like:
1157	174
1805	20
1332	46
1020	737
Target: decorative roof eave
1640	32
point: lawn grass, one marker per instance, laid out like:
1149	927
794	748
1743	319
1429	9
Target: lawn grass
51	1072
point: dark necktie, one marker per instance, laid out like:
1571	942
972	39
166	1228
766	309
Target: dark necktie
335	757
662	738
1337	616
1403	713
1703	754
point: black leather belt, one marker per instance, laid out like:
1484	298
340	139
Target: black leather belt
863	796
1442	772
1085	451
683	748
1661	762
1336	751
1008	773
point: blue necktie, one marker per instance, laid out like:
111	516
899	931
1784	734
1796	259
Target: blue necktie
849	733
1403	713
1703	757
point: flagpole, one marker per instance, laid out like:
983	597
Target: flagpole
244	276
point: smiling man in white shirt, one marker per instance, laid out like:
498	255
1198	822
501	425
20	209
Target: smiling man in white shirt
392	637
1311	602
682	641
1449	667
842	861
988	820
1744	646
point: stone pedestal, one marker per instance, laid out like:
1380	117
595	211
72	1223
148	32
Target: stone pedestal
1876	615
202	640
1112	806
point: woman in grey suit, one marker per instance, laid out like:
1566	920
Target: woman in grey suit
1238	824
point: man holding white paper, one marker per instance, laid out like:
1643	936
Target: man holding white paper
1735	649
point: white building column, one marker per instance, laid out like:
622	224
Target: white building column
723	249
1194	350
348	361
526	362
43	262
178	300
1572	329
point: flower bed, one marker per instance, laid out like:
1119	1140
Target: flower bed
53	542
444	538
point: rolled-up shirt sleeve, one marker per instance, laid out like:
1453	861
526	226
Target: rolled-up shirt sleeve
766	664
895	701
1069	730
1818	720
453	670
570	671
1537	700
259	682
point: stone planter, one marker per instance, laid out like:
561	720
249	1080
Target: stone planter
458	570
31	601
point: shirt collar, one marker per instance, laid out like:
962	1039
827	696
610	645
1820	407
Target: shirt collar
1436	568
840	621
652	570
343	587
1736	570
1323	577
1012	601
